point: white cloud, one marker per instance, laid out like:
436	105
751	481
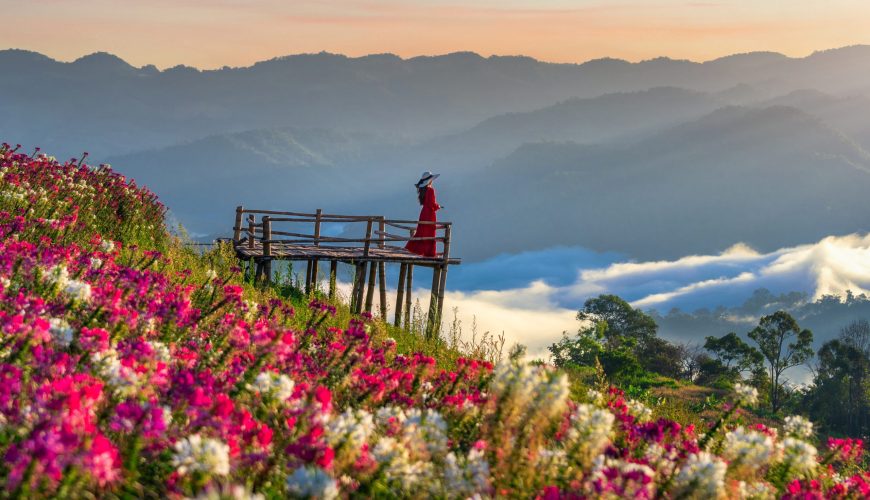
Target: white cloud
537	314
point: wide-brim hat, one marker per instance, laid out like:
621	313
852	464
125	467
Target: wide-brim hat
426	177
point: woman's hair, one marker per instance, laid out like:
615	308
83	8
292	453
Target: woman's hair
421	193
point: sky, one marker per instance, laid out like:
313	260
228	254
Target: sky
215	33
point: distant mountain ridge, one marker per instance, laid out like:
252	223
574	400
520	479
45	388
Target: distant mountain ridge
775	176
649	159
120	109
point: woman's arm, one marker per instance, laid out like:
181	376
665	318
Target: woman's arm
429	201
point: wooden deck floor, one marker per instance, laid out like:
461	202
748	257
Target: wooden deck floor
289	251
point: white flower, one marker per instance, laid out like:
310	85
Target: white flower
799	456
79	290
755	491
211	275
589	433
425	431
274	385
4	283
161	351
595	397
123	381
312	482
107	246
523	389
229	492
352	428
389	415
197	454
251	308
702	476
798	426
747	449
468	477
96	263
57	275
60	331
639	410
746	394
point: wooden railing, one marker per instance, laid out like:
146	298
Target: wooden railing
267	231
270	239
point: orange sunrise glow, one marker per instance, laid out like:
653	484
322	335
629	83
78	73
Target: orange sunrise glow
214	33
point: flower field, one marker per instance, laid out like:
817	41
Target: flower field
133	367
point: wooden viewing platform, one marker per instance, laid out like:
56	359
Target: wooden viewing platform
270	239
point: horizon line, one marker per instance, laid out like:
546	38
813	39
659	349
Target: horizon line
441	55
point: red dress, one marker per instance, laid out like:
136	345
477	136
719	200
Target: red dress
427	213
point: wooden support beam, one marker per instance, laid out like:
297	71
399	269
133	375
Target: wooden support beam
382	288
315	265
359	288
409	284
237	228
267	247
400	294
251	231
382	271
370	292
353	288
308	278
259	272
433	325
333	277
443	278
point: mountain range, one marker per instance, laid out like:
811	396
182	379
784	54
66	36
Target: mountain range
652	159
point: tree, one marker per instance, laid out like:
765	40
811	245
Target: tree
734	353
623	324
580	350
784	345
660	356
841	396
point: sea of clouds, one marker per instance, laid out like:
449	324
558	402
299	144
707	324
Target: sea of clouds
534	296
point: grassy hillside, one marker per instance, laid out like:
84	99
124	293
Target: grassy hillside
133	366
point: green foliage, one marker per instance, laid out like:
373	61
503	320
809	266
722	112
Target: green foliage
841	394
784	345
623	323
733	352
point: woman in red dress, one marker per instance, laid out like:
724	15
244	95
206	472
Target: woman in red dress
426	197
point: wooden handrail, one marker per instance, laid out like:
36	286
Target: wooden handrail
360	218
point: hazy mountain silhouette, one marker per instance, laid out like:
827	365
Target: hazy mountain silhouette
201	181
592	120
115	108
769	177
641	158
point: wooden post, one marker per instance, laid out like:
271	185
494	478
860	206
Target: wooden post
354	290
251	231
409	283
368	239
400	294
333	273
382	273
360	297
257	263
267	247
237	228
370	293
433	324
443	278
315	265
308	279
